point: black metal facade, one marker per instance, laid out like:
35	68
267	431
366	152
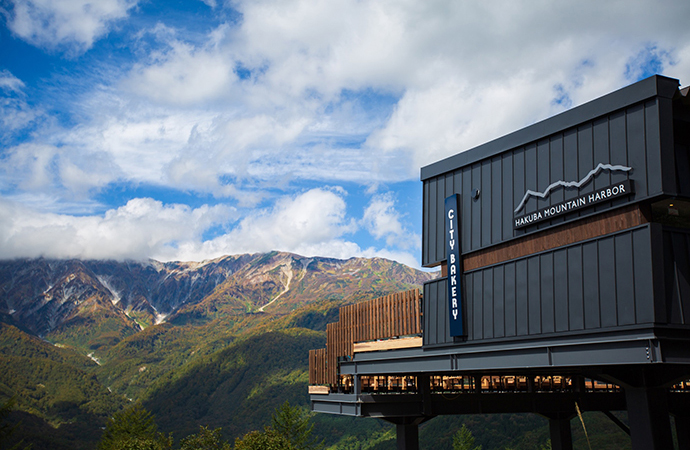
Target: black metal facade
632	127
631	278
583	287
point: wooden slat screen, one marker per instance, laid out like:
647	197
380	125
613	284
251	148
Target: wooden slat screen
382	318
317	366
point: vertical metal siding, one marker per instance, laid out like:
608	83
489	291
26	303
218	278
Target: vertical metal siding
607	285
636	147
477	313
507	196
599	284
546	263
475	218
543	171
499	314
518	183
601	154
666	139
629	137
677	271
618	149
466	201
557	170
521	297
485	199
487	301
585	153
653	146
560	290
624	288
439	220
496	191
590	281
644	288
576	299
530	175
509	295
534	295
427	255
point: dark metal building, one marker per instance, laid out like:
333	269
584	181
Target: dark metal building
565	256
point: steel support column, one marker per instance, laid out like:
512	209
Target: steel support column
407	436
650	424
407	431
561	436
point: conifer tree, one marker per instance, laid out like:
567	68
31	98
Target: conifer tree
291	429
133	429
268	439
205	439
463	440
295	425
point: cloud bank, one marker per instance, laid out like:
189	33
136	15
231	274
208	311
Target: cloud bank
249	106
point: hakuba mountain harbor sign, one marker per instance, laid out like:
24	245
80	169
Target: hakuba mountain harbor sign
564	250
582	201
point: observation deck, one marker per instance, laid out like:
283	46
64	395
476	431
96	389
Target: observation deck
564	251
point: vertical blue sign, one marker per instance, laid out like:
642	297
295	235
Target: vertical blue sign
454	266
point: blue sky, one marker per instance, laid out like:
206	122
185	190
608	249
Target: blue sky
190	129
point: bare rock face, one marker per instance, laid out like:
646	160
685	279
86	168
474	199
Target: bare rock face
89	304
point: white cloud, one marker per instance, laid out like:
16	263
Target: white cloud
9	82
313	223
293	91
315	218
72	24
183	74
15	113
137	230
466	73
383	221
29	166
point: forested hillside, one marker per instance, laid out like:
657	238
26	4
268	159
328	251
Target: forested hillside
79	341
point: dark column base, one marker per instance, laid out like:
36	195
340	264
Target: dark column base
407	431
407	436
650	424
561	436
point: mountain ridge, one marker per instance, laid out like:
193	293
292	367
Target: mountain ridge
90	304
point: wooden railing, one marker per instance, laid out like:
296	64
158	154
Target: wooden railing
394	315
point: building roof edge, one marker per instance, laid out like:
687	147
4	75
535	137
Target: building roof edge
654	86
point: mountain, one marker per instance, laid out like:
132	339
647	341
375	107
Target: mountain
220	343
93	305
82	339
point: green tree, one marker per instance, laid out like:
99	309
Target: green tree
205	439
133	429
463	440
295	425
268	439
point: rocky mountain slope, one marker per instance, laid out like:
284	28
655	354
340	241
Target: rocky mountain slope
177	336
92	305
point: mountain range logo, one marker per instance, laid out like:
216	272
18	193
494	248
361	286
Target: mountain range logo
578	184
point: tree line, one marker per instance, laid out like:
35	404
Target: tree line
135	429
